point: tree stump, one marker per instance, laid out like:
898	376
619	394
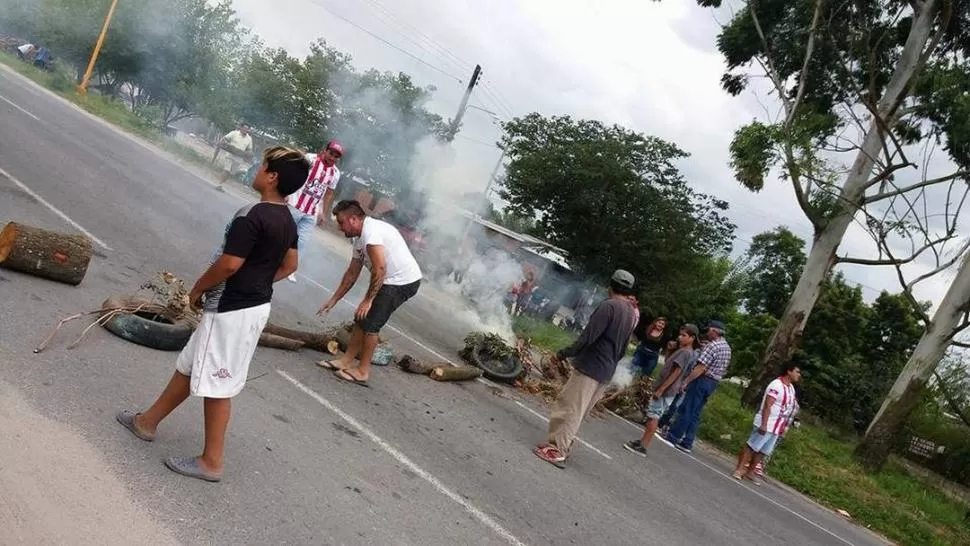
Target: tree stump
455	373
280	342
51	255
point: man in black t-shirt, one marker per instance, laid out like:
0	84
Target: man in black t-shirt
259	248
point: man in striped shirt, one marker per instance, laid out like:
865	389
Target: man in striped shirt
319	186
777	406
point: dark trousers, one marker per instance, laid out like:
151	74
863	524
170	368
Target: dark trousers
689	414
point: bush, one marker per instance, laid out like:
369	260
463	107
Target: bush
62	78
953	436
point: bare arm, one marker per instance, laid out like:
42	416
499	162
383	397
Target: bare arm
348	280
659	391
378	271
324	216
765	412
222	269
288	267
698	371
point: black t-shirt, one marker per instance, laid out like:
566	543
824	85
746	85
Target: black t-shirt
261	233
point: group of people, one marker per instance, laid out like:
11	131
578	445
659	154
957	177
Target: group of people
694	364
262	245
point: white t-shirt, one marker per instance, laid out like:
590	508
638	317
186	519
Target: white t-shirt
239	141
402	268
781	409
25	49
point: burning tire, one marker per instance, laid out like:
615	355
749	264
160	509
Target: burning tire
505	370
150	327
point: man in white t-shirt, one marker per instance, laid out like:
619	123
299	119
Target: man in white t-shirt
777	405
305	204
239	145
394	278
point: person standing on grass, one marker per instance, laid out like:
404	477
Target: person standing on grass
319	187
712	365
599	348
777	406
394	279
675	369
259	249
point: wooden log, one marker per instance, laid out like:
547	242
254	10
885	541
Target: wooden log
455	373
280	342
410	364
60	257
312	340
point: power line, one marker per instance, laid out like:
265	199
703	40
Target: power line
384	40
447	53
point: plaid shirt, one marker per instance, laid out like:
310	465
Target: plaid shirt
715	356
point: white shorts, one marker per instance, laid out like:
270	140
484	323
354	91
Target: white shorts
218	354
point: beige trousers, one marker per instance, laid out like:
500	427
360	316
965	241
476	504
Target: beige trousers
578	396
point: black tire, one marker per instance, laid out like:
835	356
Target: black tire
150	327
506	371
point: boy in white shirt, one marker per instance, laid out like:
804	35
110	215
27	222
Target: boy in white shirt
770	421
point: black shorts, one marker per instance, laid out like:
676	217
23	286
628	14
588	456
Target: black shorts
388	299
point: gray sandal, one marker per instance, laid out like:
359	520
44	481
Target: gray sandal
127	419
189	466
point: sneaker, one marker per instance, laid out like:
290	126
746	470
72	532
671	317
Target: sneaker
683	448
292	277
635	447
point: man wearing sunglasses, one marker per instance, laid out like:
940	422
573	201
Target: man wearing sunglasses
319	186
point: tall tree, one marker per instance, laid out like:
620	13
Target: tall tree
776	259
853	80
613	198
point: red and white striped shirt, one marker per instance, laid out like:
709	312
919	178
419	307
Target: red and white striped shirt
781	408
322	178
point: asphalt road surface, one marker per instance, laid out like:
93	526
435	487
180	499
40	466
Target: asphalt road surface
309	460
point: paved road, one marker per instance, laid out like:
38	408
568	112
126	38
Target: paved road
309	460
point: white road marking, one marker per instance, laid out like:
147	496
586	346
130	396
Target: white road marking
732	480
15	105
482	517
546	419
54	209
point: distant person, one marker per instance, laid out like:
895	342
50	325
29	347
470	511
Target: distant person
712	365
653	339
320	186
239	145
676	367
394	279
599	348
234	293
777	407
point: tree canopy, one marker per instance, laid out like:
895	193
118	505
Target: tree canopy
776	259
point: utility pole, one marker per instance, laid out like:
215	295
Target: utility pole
83	88
476	75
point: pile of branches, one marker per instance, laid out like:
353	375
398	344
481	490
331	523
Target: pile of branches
627	401
490	344
168	299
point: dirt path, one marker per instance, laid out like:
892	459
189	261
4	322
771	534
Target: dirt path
56	489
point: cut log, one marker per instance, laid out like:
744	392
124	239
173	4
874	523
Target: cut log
280	342
312	340
60	257
455	373
410	364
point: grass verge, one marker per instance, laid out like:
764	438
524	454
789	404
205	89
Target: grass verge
818	462
543	335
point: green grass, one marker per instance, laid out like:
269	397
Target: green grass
819	463
61	81
543	335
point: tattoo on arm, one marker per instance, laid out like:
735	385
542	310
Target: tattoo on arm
376	282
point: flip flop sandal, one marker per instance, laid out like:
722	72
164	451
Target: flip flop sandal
328	364
344	376
189	466
546	454
127	419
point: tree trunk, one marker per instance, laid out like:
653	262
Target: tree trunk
56	256
455	373
829	232
907	391
313	340
410	364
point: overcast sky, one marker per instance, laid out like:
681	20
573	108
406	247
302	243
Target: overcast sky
650	66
